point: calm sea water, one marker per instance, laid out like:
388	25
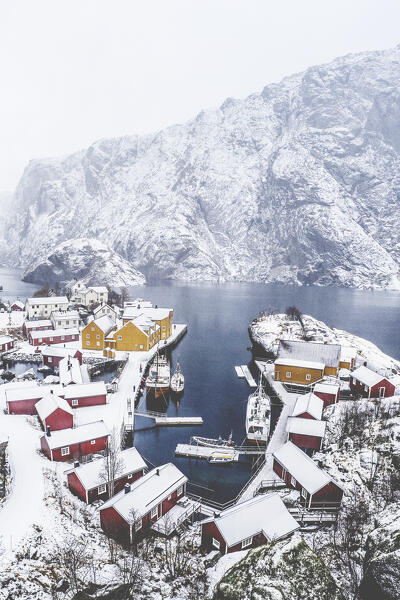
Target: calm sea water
218	316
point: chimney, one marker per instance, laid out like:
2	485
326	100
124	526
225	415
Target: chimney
51	392
76	464
48	431
157	471
127	488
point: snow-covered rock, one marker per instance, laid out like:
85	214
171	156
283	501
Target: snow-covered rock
299	183
90	261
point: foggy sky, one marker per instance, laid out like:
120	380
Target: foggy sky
73	71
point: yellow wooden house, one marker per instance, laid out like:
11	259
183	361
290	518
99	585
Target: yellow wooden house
95	333
292	370
159	316
304	359
138	335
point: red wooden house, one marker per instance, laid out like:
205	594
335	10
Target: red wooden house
22	399
55	412
89	481
249	524
17	305
6	343
308	406
300	472
328	392
68	444
87	394
140	505
306	433
52	355
39	325
55	336
369	384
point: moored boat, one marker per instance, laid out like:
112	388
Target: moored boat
158	379
222	457
258	416
177	380
214	442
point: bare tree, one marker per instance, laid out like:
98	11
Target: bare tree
113	462
178	552
124	296
73	560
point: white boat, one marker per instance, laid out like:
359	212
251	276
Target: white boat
158	379
177	380
258	416
214	442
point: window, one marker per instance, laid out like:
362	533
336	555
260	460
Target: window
65	451
97	343
49	359
141	346
102	488
40	339
308	377
51	339
304	493
216	544
98	336
63	337
130	475
92	328
247	542
74	402
138	525
288	374
366	388
88	335
93	442
293	481
169	497
87	343
180	491
163	326
154	512
120	337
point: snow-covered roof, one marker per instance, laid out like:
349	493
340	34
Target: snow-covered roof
70	371
30	392
326	388
306	426
155	314
53	333
49	403
83	433
347	353
302	468
40	323
65	314
4	339
294	362
266	514
328	354
99	289
308	403
147	492
18	303
86	390
90	474
58	351
105	323
48	300
102	306
366	376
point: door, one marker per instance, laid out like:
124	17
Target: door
382	391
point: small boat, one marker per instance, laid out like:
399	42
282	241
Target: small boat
158	379
221	458
214	442
177	380
258	416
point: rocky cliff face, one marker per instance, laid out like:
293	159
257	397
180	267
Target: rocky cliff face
299	183
88	260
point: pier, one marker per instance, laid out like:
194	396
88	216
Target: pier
191	451
239	372
163	419
248	376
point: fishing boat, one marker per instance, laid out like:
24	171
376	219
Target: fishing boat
158	379
218	458
258	416
214	442
177	380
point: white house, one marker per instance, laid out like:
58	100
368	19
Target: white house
41	308
81	294
65	319
105	309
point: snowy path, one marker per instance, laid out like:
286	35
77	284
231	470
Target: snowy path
23	506
279	435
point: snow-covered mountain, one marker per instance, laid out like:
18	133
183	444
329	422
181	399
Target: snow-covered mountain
88	260
299	183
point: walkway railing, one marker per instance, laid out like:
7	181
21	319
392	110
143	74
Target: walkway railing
167	526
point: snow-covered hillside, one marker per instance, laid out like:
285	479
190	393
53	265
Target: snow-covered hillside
88	260
299	183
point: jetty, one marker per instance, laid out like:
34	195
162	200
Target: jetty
192	451
163	419
248	376
239	372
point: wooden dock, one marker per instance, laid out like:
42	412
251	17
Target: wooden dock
239	372
160	421
249	376
191	451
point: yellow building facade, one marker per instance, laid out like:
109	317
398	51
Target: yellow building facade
298	372
94	334
132	337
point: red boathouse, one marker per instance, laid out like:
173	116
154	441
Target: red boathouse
328	392
87	394
68	444
55	412
306	433
308	406
55	336
369	384
52	355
